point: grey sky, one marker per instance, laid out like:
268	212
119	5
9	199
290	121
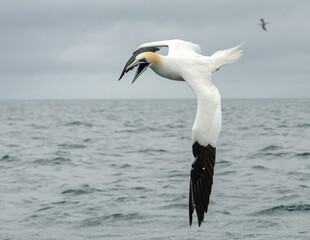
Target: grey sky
77	49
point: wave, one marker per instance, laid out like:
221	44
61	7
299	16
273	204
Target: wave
52	161
285	208
71	146
259	167
229	172
115	217
83	189
121	216
181	206
303	125
135	129
271	148
44	208
152	150
224	162
149	151
304	154
6	158
79	123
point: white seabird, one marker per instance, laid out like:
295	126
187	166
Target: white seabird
185	63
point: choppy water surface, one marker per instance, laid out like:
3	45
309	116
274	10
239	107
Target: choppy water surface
118	169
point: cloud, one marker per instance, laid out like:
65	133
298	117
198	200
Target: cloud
62	41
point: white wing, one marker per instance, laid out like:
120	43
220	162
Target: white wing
205	132
208	121
176	47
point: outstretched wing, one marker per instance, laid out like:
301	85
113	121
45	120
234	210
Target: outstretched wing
205	133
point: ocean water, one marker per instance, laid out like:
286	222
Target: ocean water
119	169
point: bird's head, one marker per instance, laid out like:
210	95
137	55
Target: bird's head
143	61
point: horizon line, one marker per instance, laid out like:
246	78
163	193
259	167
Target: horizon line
99	99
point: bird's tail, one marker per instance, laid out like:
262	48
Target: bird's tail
226	56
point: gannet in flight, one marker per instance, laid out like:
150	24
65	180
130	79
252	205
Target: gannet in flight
263	24
184	63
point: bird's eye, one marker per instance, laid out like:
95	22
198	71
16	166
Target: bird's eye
143	60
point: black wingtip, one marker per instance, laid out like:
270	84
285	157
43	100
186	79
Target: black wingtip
190	216
201	180
190	204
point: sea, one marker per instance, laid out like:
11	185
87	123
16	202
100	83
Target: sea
119	169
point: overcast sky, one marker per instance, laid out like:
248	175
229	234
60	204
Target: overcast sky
62	49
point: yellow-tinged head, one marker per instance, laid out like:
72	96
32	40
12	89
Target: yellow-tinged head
145	60
153	59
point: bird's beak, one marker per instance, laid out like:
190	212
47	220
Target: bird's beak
143	64
141	68
132	65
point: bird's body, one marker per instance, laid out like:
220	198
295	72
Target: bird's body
184	63
263	24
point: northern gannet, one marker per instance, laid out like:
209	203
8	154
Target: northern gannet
263	24
185	63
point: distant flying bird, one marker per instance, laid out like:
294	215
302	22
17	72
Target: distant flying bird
263	24
185	63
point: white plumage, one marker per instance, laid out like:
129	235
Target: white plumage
184	63
176	47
